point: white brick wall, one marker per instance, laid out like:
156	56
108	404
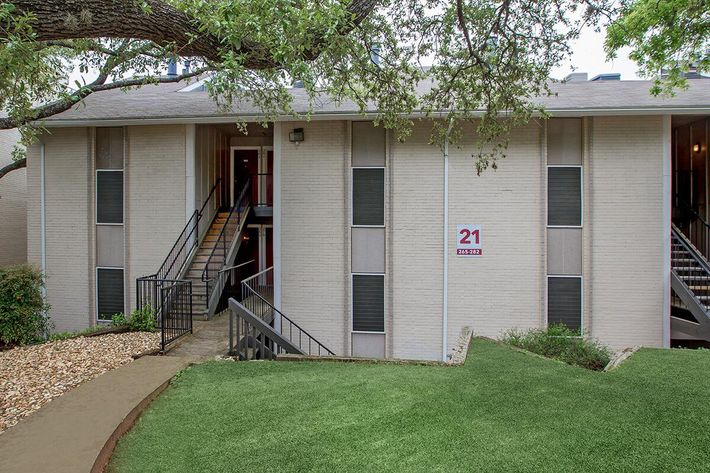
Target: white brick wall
416	201
155	195
502	289
314	223
68	210
13	205
626	218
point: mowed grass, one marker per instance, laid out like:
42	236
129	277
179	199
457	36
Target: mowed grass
503	410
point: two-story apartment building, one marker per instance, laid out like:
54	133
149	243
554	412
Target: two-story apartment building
378	247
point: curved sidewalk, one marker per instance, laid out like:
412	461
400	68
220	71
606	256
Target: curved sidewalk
68	434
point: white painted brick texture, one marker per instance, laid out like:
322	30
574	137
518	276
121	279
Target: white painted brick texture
627	225
313	224
155	210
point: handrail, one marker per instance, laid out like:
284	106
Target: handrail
221	237
262	302
193	225
694	227
236	266
256	324
259	274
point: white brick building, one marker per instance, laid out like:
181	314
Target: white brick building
574	226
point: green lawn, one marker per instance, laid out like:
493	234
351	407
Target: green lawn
503	411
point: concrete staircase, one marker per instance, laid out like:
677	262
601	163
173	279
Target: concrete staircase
208	254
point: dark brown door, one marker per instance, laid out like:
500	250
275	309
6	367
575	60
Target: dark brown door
246	169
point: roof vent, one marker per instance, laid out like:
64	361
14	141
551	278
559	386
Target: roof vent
375	54
172	68
609	76
576	77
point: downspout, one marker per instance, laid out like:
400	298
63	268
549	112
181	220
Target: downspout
42	220
445	308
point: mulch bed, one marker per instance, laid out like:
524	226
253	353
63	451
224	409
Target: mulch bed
32	376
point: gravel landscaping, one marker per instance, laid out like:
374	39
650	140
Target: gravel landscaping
32	376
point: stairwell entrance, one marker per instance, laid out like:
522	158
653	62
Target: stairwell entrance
690	251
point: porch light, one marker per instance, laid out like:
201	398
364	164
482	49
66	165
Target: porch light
696	147
296	136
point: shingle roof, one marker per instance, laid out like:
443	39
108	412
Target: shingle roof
166	103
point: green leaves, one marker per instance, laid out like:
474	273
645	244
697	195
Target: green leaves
664	35
485	62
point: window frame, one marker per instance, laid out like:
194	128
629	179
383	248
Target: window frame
96	290
384	303
112	224
352	197
581	195
581	299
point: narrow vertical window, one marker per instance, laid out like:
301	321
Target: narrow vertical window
110	289
564	302
368	303
109	292
564	196
368	196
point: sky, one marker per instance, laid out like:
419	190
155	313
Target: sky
588	56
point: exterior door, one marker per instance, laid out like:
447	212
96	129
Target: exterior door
245	169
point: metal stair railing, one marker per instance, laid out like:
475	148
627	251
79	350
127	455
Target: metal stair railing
170	302
257	301
694	227
690	282
165	293
225	249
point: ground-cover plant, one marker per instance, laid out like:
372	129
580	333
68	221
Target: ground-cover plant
23	313
560	343
140	320
79	333
503	411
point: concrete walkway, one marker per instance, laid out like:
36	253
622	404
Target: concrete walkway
209	338
68	434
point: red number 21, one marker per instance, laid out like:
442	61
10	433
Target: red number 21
466	234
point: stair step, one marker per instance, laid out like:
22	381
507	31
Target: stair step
695	278
686	268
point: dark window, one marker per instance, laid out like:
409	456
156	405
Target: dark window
368	196
564	302
109	288
564	196
109	197
368	303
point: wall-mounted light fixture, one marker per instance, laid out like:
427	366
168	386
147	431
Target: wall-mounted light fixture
296	136
697	147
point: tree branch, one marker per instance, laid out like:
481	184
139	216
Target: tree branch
164	25
58	106
13	166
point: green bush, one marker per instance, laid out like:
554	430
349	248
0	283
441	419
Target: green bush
142	320
23	313
561	343
118	320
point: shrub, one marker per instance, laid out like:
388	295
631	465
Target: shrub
142	320
23	313
561	343
118	320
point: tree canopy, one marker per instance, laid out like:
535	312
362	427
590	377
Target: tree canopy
487	59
